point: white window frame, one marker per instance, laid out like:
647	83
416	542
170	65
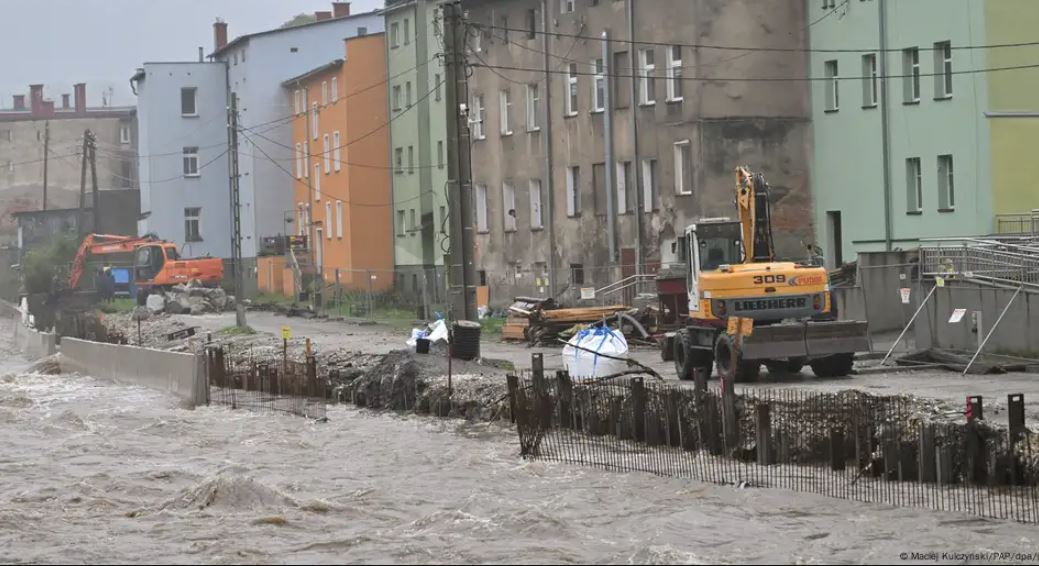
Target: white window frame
508	202
313	121
407	94
191	167
306	158
537	217
649	184
124	134
566	6
573	191
440	154
477	121
914	186
411	159
675	90
869	81
598	86
911	72
946	183
317	181
195	220
336	155
647	78
623	168
296	97
396	98
402	228
335	89
324	93
394	35
505	111
339	219
572	102
328	219
481	209
533	106
194	102
831	71
681	175
398	160
299	161
943	70
327	155
407	32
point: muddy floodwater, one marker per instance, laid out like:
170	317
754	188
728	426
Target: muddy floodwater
94	472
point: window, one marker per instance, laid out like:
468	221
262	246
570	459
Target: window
504	108
187	101
573	194
832	85
566	6
326	154
533	102
621	80
577	273
914	186
599	188
335	89
481	208
436	87
946	186
536	217
649	185
869	81
339	219
683	168
317	181
394	32
674	73
477	121
413	227
191	228
191	162
299	161
313	125
398	159
477	41
243	55
532	23
362	31
124	135
235	58
396	98
440	154
328	219
296	106
400	223
829	4
647	80
306	160
508	206
943	70
324	93
411	159
335	150
911	73
503	23
625	202
599	86
407	93
407	32
571	90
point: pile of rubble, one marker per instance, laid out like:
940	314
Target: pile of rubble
191	298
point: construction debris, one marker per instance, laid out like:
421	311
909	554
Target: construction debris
541	321
191	298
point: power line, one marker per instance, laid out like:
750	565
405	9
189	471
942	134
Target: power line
751	48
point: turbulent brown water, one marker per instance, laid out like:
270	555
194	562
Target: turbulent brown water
94	472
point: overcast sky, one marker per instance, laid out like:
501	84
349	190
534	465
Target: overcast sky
101	42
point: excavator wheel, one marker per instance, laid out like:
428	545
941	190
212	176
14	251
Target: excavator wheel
742	370
837	365
792	365
687	359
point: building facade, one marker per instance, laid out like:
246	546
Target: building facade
30	126
899	135
418	138
571	141
341	166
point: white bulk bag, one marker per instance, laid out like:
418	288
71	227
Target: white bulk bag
585	361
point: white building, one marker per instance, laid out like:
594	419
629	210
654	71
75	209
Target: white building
252	68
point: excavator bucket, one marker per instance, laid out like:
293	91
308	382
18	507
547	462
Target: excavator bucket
805	339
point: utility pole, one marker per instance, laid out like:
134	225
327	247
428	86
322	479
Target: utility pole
83	181
308	210
611	204
236	220
96	207
461	271
46	155
547	140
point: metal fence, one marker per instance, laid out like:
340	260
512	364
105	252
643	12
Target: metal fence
244	382
847	445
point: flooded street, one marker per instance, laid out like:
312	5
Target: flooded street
94	472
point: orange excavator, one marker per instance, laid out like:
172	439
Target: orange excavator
156	263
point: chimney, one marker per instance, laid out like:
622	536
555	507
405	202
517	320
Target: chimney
201	54
340	9
65	101
80	97
19	102
219	34
322	16
36	98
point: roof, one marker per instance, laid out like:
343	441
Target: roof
244	38
326	67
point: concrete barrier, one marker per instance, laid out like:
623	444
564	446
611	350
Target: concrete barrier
33	344
181	374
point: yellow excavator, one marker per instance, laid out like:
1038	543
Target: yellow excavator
746	309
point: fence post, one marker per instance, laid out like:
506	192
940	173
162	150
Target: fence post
638	406
729	413
837	459
944	457
764	411
975	408
1016	427
566	393
927	460
371	311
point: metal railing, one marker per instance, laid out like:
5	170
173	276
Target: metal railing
982	260
627	288
1018	223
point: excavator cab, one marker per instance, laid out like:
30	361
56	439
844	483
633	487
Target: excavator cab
707	246
148	262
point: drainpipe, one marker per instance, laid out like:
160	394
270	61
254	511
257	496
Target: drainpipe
611	205
547	143
885	129
636	165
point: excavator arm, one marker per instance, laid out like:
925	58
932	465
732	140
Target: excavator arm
104	243
755	214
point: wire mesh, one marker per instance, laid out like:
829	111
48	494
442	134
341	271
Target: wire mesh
272	385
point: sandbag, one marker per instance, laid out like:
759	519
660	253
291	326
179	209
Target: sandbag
585	361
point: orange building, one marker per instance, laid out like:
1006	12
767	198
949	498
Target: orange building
342	192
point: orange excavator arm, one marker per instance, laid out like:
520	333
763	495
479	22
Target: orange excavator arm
100	243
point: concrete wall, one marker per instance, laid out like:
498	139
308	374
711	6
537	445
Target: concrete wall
31	343
1017	334
183	375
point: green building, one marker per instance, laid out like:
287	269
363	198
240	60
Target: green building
901	135
417	144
